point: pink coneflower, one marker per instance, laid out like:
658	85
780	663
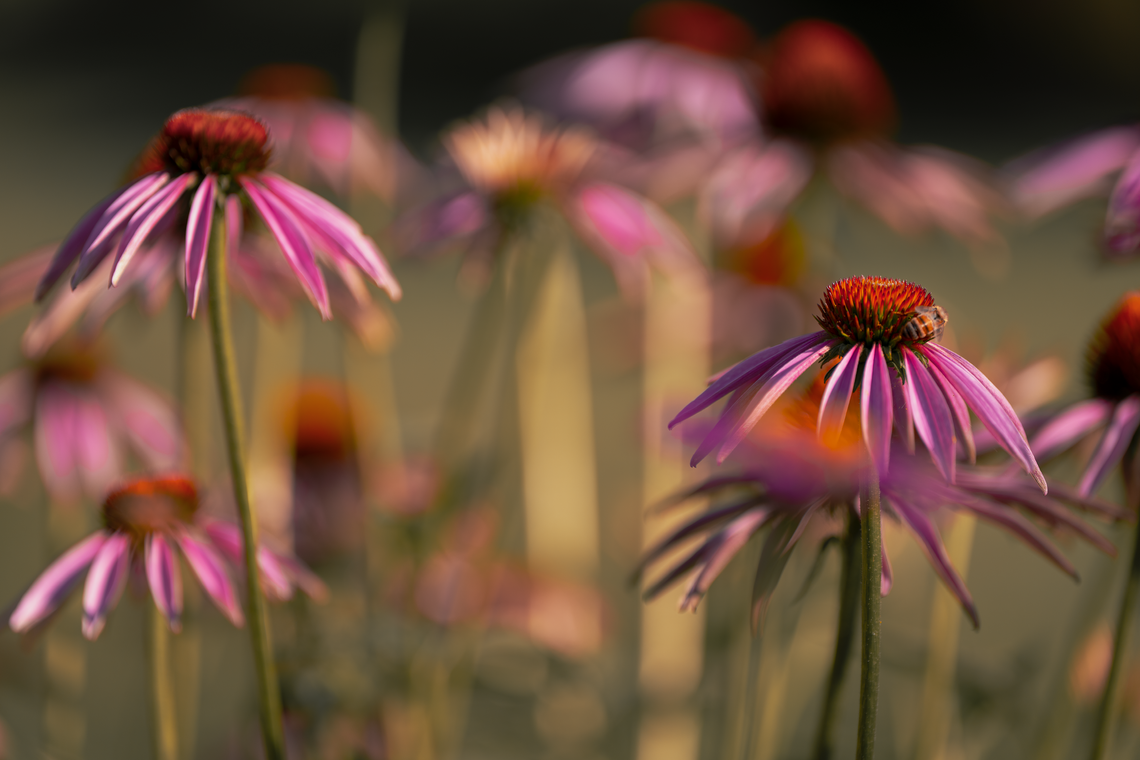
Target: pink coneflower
903	377
790	477
86	418
143	521
215	160
1114	374
511	162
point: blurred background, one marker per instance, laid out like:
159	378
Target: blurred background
84	86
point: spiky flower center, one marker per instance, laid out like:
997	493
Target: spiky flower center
822	84
151	505
322	423
223	143
69	364
1114	352
698	26
288	81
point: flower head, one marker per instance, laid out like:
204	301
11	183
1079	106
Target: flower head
144	520
880	332
207	160
702	27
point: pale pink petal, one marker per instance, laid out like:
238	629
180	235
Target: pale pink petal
55	424
149	421
211	572
876	408
18	278
96	450
165	579
144	221
63	311
105	582
837	394
235	220
49	590
1062	431
960	411
1115	441
1047	181
931	415
118	213
198	233
904	420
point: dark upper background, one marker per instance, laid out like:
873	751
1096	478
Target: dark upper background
990	77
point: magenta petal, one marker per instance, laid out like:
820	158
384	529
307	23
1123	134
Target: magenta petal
745	372
211	572
234	223
990	406
274	578
931	543
1018	525
837	394
144	221
118	213
904	420
729	542
49	590
888	578
105	583
960	411
1063	430
1075	171
876	408
931	415
73	244
165	579
198	240
286	230
1113	443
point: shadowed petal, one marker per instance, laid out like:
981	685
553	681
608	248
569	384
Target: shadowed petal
96	451
1077	170
931	543
876	408
211	572
773	558
55	440
960	411
1062	431
837	395
904	420
144	221
49	590
73	244
165	579
1019	526
304	578
931	415
198	240
704	521
98	245
1117	436
105	583
730	541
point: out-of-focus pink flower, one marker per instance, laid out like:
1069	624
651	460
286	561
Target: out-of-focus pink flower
904	379
144	520
85	419
789	475
1048	180
512	161
201	162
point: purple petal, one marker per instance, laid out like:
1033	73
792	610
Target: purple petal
931	543
234	222
1113	443
888	578
49	590
837	395
876	408
105	583
292	241
931	415
165	579
988	403
73	244
746	372
904	420
704	521
960	411
1122	222
1073	423
54	440
118	213
1019	526
1077	170
198	240
730	541
144	220
211	572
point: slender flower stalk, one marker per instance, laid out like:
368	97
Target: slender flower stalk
872	562
850	580
162	687
229	391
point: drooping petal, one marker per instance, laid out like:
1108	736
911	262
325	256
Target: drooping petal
904	420
931	415
746	372
286	230
118	213
1019	526
1113	443
876	408
837	394
773	559
961	413
211	572
731	540
96	451
143	222
149	421
708	520
931	543
989	404
165	579
73	244
55	440
198	233
1062	431
53	586
105	582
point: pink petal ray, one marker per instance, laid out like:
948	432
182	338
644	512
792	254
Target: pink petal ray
1122	221
1018	525
876	408
98	245
837	394
149	421
931	543
1062	431
105	583
931	415
165	579
904	420
1077	170
235	220
49	590
961	412
143	222
73	244
55	424
211	572
1113	443
731	539
96	448
198	240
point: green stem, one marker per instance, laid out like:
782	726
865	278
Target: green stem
872	566
230	395
849	582
162	687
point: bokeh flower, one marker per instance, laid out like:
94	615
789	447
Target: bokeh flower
86	417
789	477
215	160
881	332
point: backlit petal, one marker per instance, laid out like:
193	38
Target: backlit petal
105	583
49	590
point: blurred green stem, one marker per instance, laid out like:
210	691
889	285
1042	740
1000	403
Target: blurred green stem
849	581
162	687
229	392
872	562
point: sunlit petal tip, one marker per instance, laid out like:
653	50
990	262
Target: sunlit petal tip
211	572
52	587
105	583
